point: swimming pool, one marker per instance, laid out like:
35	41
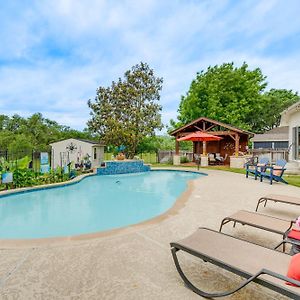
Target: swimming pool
96	203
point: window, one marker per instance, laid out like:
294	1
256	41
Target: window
281	145
95	153
262	145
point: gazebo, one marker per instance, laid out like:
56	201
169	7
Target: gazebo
234	140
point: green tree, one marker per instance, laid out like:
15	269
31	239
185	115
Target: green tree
128	110
35	132
155	143
20	144
226	93
275	101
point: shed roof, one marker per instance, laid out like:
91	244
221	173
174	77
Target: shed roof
193	125
82	140
275	134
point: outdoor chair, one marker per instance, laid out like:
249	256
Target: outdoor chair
257	220
255	263
220	159
278	198
256	168
275	172
211	159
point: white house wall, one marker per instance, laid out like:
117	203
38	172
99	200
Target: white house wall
293	121
82	149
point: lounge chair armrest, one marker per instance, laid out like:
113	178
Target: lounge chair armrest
251	165
280	169
279	276
287	241
269	167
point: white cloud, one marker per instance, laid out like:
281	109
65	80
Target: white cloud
54	54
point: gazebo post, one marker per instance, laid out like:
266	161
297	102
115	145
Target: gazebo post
204	157
204	148
176	157
237	144
176	147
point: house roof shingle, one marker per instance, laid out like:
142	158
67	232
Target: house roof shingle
275	134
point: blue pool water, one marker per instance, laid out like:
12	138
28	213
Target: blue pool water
96	203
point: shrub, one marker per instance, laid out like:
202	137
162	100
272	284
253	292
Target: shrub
184	159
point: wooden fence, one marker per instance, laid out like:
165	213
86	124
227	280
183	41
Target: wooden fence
272	154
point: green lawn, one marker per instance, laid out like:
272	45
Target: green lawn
293	179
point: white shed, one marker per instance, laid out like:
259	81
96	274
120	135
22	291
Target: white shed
76	151
291	117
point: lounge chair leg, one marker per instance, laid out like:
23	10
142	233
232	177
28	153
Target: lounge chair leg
224	221
261	200
234	223
205	294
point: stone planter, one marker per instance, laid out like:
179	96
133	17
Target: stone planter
203	160
238	162
176	160
120	156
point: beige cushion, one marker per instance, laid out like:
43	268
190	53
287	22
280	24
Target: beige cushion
277	170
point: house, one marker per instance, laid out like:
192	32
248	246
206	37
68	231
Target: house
76	151
291	117
273	144
276	138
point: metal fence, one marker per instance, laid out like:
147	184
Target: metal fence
165	156
25	159
161	156
148	158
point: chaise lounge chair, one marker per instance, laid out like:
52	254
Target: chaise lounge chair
253	262
278	198
276	172
256	169
260	221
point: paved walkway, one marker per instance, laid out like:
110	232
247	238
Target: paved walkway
137	263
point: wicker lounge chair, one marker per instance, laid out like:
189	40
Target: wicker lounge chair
256	169
278	198
276	172
253	262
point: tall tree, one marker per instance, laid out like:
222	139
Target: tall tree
226	93
128	110
275	101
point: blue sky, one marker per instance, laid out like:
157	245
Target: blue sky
54	54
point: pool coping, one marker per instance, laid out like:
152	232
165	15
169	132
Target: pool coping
66	240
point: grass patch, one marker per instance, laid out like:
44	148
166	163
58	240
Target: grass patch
292	179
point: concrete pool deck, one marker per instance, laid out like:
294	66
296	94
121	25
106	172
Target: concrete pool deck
136	263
